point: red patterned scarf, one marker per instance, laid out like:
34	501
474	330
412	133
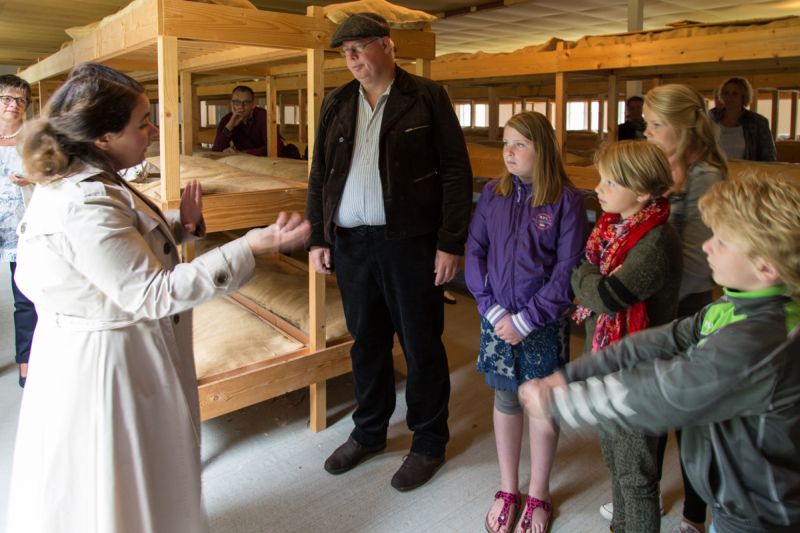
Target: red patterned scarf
607	247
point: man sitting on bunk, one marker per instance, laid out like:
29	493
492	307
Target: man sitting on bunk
244	129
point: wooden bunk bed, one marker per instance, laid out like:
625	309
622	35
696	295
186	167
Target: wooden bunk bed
767	51
188	37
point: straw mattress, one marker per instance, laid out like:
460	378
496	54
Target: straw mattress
216	177
227	336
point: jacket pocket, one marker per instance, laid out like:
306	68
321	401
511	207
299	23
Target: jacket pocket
424	177
415	128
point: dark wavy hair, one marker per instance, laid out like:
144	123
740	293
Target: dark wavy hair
94	100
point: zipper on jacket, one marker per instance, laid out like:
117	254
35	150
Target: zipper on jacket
515	218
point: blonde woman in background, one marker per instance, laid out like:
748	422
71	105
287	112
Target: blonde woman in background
678	122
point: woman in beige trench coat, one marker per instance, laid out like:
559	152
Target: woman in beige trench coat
109	436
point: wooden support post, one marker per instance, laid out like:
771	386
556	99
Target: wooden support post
46	90
561	110
776	104
793	118
601	114
494	114
169	143
316	282
187	115
302	118
272	118
588	103
613	107
422	67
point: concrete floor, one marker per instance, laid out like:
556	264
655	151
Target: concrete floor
263	466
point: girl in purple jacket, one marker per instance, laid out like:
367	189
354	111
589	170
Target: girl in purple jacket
528	232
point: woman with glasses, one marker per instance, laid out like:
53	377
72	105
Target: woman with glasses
15	192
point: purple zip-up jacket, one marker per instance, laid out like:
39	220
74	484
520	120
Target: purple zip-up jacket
519	258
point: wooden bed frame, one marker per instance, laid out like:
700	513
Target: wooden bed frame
767	52
191	37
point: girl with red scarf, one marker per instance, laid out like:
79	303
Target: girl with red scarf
629	281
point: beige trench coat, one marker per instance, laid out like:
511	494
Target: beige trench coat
109	436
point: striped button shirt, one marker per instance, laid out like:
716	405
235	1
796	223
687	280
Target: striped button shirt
362	198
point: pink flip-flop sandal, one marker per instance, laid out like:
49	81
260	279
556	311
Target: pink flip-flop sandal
531	504
506	516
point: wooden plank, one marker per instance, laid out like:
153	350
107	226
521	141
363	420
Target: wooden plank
561	111
583	177
776	107
134	30
236	210
272	120
268	379
735	46
187	114
223	24
268	316
168	140
318	403
316	282
238	56
613	107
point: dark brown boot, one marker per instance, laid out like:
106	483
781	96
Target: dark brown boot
415	471
348	455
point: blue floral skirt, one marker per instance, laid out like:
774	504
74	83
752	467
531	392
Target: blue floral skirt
539	354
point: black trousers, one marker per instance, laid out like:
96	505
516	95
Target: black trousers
388	287
25	319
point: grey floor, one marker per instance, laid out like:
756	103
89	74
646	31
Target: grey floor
263	466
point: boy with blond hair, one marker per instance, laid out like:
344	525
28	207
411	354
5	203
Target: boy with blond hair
729	375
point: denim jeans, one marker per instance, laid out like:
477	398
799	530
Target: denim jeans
388	287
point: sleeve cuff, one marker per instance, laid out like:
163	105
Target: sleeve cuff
521	325
495	313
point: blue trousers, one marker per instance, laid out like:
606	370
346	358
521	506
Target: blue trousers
24	321
388	287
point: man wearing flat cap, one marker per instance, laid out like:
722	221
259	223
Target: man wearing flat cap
389	200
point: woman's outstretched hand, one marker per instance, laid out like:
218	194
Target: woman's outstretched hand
192	206
286	233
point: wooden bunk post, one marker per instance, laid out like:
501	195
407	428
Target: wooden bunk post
272	119
46	90
494	113
302	118
776	104
561	110
422	67
601	114
316	282
187	113
613	105
168	121
793	118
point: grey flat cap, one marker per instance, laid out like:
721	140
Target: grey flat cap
360	26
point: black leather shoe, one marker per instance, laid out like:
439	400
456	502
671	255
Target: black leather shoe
348	455
415	471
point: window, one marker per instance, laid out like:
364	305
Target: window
291	114
482	115
464	113
576	115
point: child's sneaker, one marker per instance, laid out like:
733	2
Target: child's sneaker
607	512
